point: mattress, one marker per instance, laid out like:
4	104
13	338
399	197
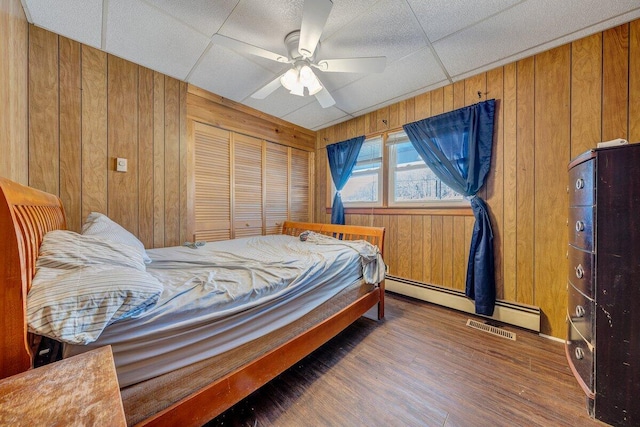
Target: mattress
222	295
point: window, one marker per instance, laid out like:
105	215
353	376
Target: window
364	187
411	182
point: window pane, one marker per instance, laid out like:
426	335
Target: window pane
413	181
371	149
420	184
361	188
363	185
407	155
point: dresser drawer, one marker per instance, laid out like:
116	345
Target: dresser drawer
581	189
580	357
580	311
580	271
581	220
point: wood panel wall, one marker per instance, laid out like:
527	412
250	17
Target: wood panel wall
551	107
87	108
13	91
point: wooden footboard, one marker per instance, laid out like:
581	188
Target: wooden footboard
26	215
373	235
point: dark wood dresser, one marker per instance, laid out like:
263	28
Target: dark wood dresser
603	347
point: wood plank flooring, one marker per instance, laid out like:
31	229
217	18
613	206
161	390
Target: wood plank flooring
421	366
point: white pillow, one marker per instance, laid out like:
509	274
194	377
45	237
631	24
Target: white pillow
75	305
67	250
98	224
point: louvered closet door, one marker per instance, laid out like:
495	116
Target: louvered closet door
247	186
300	194
212	183
276	173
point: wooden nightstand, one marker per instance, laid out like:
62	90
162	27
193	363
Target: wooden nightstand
79	391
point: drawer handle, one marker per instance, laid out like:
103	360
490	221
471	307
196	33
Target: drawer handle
580	312
579	184
579	226
579	353
579	271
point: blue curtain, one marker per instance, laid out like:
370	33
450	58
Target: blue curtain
342	159
457	148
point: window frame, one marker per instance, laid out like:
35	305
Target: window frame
395	138
386	204
380	173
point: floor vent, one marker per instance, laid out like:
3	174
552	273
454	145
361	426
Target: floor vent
491	329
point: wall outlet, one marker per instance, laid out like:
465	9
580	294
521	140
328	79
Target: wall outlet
121	164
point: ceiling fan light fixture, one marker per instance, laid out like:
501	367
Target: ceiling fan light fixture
303	46
309	79
298	89
306	75
290	79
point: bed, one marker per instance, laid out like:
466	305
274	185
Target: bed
188	395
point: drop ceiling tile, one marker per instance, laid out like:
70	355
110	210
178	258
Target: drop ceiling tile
264	23
521	28
158	41
229	74
343	13
205	16
439	18
313	116
334	81
410	74
389	29
79	20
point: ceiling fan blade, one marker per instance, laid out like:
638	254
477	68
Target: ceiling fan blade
375	64
267	89
314	16
242	47
324	98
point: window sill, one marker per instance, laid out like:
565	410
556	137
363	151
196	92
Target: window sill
440	210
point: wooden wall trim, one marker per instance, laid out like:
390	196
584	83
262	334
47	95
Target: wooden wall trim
465	211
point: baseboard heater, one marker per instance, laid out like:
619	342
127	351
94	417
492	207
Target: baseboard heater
524	316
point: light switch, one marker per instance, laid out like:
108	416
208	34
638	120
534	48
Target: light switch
121	164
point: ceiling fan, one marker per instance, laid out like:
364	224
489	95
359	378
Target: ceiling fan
302	46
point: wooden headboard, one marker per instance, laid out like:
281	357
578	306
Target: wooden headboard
26	215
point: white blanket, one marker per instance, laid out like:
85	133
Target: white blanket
373	267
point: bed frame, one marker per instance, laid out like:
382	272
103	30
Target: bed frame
26	215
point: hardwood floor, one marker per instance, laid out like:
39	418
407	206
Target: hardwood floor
421	366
